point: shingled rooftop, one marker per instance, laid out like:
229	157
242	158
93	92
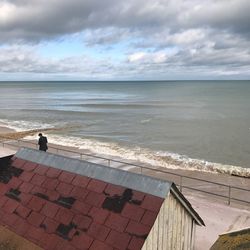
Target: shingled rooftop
62	203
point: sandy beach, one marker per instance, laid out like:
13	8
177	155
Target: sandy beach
237	215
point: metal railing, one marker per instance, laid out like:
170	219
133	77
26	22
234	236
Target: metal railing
228	192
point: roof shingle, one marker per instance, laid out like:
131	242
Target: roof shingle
55	208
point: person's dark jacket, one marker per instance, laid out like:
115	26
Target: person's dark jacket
43	143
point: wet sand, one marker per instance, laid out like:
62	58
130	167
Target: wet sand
210	208
11	134
5	130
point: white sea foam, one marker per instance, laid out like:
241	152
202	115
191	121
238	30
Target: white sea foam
145	121
138	154
146	156
20	126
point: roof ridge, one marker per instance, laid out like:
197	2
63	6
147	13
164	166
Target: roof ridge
139	182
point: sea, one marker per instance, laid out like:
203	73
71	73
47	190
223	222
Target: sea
202	125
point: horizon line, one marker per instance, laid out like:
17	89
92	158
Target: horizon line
188	80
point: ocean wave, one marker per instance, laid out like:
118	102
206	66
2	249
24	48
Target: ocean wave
59	110
20	126
117	105
145	121
137	154
155	159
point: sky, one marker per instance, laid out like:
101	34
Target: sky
124	40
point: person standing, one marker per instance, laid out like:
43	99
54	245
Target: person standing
42	142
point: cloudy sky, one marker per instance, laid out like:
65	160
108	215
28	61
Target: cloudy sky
124	40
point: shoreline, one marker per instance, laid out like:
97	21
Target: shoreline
12	134
7	133
6	130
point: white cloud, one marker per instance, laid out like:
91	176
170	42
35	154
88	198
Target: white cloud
7	10
187	37
148	57
160	57
25	59
138	56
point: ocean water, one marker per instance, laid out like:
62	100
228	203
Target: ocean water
188	124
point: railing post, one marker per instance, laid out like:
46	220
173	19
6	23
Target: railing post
229	195
109	162
81	156
180	183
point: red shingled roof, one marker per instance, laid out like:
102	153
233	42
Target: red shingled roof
57	209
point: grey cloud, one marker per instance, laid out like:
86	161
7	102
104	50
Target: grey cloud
28	20
106	36
221	15
38	20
